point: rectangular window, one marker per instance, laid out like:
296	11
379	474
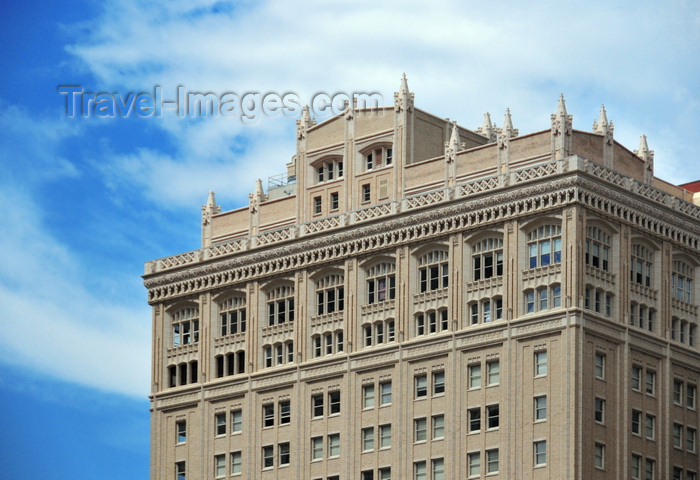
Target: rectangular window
180	471
285	412
690	435
438	426
368	396
492	461
649	469
636	422
649	425
541	407
438	383
220	421
334	445
316	448
317	405
542	297
181	429
600	366
493	373
540	452
268	456
438	469
599	455
385	473
333	403
677	473
384	393
599	413
690	396
269	415
384	436
677	435
236	462
650	382
317	205
474	419
492	416
419	471
419	430
636	466
219	466
421	382
678	392
530	301
335	203
366	194
284	453
474	464
474	376
367	439
556	296
540	363
236	421
635	382
367	475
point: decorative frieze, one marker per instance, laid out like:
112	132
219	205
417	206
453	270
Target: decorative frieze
435	223
426	350
178	400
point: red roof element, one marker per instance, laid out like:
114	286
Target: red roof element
692	186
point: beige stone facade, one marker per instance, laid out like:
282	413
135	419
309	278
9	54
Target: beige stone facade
415	300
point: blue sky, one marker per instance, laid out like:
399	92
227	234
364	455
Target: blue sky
87	200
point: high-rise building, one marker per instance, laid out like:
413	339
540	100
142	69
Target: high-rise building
416	300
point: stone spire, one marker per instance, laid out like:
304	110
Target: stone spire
507	128
454	145
605	128
208	211
602	126
562	128
487	129
257	197
304	123
403	99
647	157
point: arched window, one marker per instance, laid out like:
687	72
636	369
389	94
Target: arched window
640	265
597	248
598	300
381	282
232	315
433	270
544	245
487	258
682	281
327	343
185	326
378	156
432	321
379	332
485	311
280	305
329	169
278	353
330	294
542	298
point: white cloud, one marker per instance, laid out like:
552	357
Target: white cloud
462	59
52	322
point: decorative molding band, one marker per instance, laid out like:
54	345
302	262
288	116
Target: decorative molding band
374	238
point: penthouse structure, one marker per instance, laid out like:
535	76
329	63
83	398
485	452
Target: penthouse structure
417	300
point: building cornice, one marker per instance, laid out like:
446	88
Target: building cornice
533	190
